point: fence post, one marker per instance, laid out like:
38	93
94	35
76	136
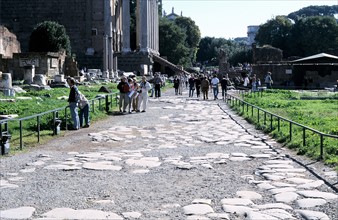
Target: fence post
66	118
93	107
38	127
264	117
321	146
258	115
54	119
252	110
111	101
290	132
107	103
278	120
271	122
20	135
304	136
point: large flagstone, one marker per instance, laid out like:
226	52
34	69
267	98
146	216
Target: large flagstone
17	213
68	213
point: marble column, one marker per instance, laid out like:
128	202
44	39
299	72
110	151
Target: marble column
108	50
126	26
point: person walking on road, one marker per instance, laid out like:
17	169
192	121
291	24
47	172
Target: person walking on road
158	83
224	85
214	84
176	84
143	95
198	81
205	87
191	86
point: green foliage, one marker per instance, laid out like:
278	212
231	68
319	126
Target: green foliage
43	101
193	35
172	43
320	115
323	10
274	32
311	35
49	36
210	47
313	30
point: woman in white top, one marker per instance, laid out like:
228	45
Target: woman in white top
143	94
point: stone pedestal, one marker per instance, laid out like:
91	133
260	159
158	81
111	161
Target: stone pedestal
29	74
59	78
40	80
6	82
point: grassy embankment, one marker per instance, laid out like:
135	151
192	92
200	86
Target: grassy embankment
315	110
43	101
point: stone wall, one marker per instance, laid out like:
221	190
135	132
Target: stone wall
8	43
83	20
48	64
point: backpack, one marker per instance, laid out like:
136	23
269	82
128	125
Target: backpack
82	100
125	88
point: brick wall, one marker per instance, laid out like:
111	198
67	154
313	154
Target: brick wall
78	16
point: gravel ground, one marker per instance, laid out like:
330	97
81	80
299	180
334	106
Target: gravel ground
161	161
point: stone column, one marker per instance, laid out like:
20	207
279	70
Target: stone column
6	84
126	26
143	25
40	80
156	34
29	74
108	50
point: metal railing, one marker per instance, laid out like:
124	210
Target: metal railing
235	101
4	124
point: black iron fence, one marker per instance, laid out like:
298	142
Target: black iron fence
269	117
101	103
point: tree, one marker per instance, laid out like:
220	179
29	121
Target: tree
275	32
209	51
193	35
49	36
311	35
324	10
172	43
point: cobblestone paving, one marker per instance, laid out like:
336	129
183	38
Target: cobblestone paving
182	159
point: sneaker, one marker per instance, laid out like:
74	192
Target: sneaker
85	126
144	111
137	110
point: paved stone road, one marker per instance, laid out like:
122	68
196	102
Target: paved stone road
182	159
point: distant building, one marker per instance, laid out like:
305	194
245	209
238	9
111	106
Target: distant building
172	16
252	31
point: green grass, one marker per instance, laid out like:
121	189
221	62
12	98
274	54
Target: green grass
43	101
321	115
47	100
